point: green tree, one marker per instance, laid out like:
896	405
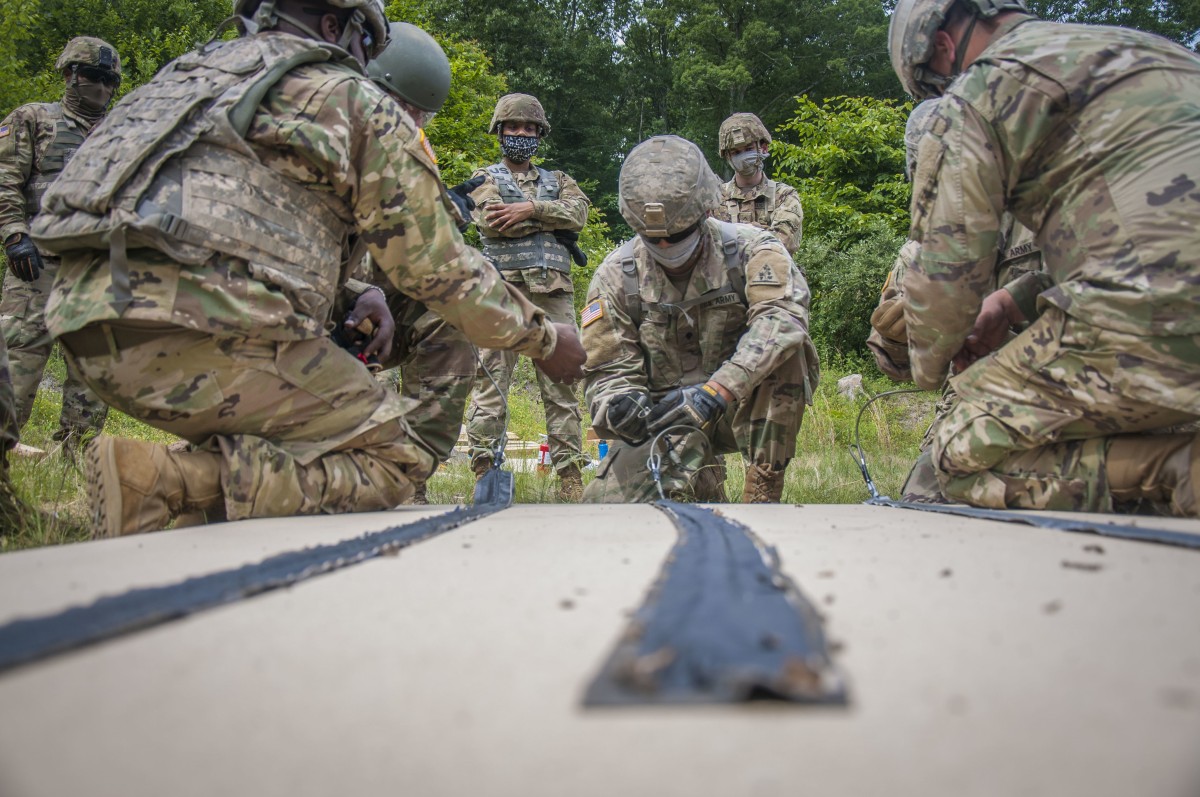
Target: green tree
1178	20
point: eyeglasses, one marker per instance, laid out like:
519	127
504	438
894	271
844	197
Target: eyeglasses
95	74
671	239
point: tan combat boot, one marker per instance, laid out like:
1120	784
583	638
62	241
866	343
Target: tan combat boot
1162	468
135	486
570	485
420	495
481	466
764	484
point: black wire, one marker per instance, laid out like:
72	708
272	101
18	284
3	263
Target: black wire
856	450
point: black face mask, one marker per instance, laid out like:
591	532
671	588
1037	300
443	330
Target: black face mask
519	149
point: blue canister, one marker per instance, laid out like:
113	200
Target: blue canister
603	449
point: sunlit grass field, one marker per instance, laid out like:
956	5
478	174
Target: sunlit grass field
823	471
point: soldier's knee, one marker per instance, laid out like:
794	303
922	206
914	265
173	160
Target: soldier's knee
968	440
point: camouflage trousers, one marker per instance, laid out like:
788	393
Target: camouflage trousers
23	316
302	426
1033	422
437	371
488	413
763	428
9	430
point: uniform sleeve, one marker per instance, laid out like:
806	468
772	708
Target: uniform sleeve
958	201
888	339
568	212
399	213
787	220
1026	288
777	320
18	137
615	364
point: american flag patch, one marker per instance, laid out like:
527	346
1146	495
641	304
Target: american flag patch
5	130
591	312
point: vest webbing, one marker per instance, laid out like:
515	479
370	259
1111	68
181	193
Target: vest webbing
537	250
733	272
68	136
766	199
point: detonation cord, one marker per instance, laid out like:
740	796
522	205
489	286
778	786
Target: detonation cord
856	450
654	461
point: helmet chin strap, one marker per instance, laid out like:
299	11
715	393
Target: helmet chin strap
960	50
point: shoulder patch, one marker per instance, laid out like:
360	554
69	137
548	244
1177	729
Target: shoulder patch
5	130
591	313
765	276
428	147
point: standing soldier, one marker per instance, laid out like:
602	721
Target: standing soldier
1090	137
751	197
207	227
11	510
36	142
693	322
529	219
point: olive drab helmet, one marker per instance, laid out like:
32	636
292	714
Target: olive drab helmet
90	51
414	67
265	15
910	38
917	123
739	131
666	186
519	108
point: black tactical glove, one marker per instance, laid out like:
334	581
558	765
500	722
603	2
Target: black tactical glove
626	417
23	258
460	195
695	405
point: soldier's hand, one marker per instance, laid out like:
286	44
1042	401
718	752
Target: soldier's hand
565	363
23	257
996	317
460	195
502	216
372	306
695	405
626	417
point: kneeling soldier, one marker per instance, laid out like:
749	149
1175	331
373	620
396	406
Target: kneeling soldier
693	323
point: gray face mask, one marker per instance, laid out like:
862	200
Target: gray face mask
676	255
747	163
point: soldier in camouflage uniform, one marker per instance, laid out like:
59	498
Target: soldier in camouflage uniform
1090	137
523	212
206	228
1018	255
36	141
12	512
437	363
751	197
694	322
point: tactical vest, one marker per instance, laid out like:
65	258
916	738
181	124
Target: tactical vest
177	175
764	206
733	271
68	136
538	250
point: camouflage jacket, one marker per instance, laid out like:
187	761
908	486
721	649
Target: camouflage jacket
770	205
329	130
1018	271
25	138
568	212
1087	135
735	343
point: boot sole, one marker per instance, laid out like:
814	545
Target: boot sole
103	489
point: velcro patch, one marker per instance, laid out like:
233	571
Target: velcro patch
5	130
592	312
765	276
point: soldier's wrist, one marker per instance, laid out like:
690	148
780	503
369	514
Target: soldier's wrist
549	340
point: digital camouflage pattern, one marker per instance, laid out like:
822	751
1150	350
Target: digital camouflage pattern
302	426
40	139
770	205
759	351
9	428
1089	136
658	201
547	288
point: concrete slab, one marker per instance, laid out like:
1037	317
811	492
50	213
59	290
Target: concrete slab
979	664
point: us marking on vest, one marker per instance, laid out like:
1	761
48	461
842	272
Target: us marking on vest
722	624
592	312
766	276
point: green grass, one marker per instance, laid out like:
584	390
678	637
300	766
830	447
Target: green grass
822	472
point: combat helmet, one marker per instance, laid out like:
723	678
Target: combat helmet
918	121
519	108
413	67
666	186
910	38
266	16
93	52
739	131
